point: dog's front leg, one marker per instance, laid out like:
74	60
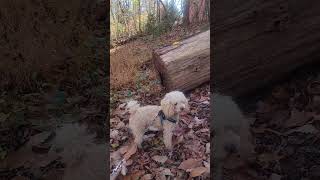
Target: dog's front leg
138	138
167	137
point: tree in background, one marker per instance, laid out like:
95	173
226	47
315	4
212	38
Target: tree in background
186	16
138	17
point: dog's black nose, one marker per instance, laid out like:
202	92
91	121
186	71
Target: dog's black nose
182	108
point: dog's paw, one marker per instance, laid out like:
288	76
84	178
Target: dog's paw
140	146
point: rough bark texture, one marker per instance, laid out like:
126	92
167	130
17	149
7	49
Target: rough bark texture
186	65
258	42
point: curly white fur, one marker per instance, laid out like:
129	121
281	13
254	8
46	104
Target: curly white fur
146	117
132	106
230	125
231	129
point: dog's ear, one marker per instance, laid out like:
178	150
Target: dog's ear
167	107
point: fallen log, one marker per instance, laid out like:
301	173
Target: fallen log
257	42
184	65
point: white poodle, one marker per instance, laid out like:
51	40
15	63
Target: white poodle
164	117
231	129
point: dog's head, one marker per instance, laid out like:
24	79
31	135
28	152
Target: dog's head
173	103
132	106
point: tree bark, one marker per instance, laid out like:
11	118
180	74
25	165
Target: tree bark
186	12
260	42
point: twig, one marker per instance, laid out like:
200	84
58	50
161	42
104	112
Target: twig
115	172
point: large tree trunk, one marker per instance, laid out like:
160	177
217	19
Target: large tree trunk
260	42
186	65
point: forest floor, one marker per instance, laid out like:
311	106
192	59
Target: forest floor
285	131
133	77
52	123
56	131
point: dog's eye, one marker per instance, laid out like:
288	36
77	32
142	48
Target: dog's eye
175	104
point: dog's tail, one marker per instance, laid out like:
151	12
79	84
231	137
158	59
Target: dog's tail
132	106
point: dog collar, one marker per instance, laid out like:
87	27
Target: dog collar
163	117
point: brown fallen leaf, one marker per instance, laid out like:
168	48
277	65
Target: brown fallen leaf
279	117
297	118
135	175
275	176
120	125
160	159
114	134
129	162
190	164
263	130
3	117
308	129
115	120
315	171
166	172
198	171
190	126
314	88
203	130
124	149
203	98
269	157
41	148
131	151
147	177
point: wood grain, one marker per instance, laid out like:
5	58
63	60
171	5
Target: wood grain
186	65
259	42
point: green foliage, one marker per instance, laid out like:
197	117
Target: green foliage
151	24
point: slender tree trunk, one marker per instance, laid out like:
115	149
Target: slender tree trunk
164	7
154	7
208	9
196	9
186	12
114	21
158	9
139	15
134	16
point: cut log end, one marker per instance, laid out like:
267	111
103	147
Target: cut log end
184	65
